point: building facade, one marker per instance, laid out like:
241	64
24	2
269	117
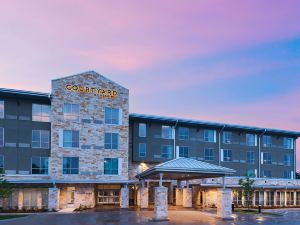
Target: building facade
80	146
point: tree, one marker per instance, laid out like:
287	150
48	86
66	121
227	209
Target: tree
5	187
248	189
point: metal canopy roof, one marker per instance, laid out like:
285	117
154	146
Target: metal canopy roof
24	94
212	124
185	169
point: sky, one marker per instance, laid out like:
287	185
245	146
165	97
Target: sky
234	61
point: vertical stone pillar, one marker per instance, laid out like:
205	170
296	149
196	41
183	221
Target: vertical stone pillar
138	197
178	195
160	204
295	197
124	198
53	198
39	199
224	210
20	199
187	197
144	196
265	198
285	199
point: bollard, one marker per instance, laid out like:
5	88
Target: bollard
232	207
259	208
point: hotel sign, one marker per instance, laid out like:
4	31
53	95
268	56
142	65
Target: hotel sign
103	93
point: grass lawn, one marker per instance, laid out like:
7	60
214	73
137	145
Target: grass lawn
5	217
255	211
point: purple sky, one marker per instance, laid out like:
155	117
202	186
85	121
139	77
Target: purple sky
232	61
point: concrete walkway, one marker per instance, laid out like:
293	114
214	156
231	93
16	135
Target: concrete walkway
124	217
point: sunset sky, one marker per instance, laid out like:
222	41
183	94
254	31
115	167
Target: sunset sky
231	61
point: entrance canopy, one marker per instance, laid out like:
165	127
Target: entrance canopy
185	169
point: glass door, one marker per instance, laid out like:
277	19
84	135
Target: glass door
70	197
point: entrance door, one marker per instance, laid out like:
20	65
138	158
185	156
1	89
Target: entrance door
70	197
108	194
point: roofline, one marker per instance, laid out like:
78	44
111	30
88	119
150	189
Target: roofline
25	93
213	124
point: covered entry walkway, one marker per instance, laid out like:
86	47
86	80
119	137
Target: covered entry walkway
182	169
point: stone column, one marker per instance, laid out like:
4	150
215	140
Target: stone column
187	197
124	198
295	197
20	199
144	196
39	199
285	199
265	198
178	195
53	198
160	204
138	197
224	210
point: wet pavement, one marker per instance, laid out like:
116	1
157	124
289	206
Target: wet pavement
123	217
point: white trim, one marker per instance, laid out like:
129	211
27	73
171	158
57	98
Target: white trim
215	136
261	158
120	116
120	166
222	155
61	138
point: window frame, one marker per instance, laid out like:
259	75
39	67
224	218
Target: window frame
185	151
269	175
228	158
145	149
72	146
288	162
289	174
111	141
42	108
267	141
186	134
73	117
285	143
269	160
254	144
227	140
40	164
110	120
144	125
40	139
250	160
70	169
169	153
170	134
116	172
207	137
2	102
209	157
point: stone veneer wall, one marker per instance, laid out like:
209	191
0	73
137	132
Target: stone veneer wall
84	195
91	127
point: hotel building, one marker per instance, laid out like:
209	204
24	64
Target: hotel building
79	145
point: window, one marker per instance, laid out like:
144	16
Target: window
210	135
40	113
167	151
287	174
111	166
70	165
183	133
1	164
1	136
183	151
40	139
166	132
251	139
71	139
209	154
71	112
1	109
39	165
142	150
250	173
267	158
288	143
227	137
112	116
267	173
111	141
250	157
267	141
227	155
287	160
142	130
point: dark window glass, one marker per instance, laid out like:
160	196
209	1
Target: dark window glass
183	151
111	116
111	166
111	141
70	165
183	133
